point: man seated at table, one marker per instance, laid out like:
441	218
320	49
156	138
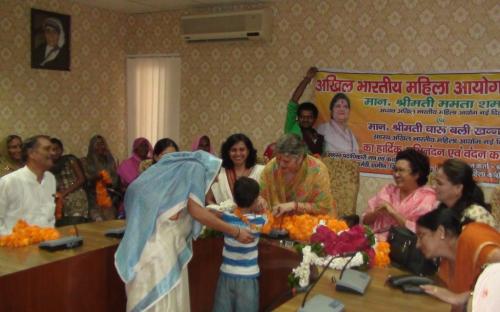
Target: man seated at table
28	193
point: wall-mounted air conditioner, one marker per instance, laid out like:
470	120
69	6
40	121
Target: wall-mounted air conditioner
227	26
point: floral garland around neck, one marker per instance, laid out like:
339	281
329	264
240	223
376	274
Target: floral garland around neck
24	234
266	229
326	244
102	196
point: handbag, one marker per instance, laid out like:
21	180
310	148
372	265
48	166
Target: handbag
405	254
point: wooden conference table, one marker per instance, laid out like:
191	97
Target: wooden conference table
84	279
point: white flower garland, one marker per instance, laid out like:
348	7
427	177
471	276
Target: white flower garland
310	258
303	271
227	205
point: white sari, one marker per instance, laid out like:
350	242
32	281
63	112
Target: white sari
221	188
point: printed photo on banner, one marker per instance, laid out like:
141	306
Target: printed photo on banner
50	40
370	117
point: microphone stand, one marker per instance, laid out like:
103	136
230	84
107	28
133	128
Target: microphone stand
351	255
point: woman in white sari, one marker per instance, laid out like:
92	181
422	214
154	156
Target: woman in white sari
239	159
164	207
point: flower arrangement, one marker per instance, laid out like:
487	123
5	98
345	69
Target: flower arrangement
301	227
24	234
102	197
326	244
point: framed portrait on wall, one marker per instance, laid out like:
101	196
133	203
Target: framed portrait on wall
50	40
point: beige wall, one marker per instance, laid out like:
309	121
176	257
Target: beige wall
72	105
244	86
231	87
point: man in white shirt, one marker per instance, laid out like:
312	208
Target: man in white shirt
28	193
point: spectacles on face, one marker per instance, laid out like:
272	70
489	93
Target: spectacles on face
399	170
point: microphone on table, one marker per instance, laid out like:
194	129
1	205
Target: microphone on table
66	242
320	302
353	281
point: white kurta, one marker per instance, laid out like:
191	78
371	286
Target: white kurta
221	189
23	197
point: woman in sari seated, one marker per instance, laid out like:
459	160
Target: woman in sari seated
456	189
463	250
294	182
162	147
10	154
239	159
70	180
164	209
129	168
402	203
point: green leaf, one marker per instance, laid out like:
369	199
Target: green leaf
293	281
370	236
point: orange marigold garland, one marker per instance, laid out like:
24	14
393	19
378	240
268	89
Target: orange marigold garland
102	196
382	250
264	229
24	234
300	227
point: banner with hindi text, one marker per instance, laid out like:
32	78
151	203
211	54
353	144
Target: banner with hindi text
444	115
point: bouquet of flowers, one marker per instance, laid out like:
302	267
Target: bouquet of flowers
102	197
326	244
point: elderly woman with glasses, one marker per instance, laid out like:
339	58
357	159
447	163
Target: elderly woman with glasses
294	182
402	203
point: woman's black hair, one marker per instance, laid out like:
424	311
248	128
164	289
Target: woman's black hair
340	96
441	216
57	142
459	172
162	145
227	163
11	137
419	163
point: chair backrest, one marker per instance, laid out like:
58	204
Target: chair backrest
495	204
344	180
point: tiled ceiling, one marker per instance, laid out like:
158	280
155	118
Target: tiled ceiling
145	6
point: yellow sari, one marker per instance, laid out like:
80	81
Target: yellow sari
311	184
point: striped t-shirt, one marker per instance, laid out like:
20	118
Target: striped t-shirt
241	260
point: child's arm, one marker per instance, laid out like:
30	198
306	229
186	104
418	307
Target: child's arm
216	213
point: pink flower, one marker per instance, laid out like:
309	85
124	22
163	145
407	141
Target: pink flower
348	241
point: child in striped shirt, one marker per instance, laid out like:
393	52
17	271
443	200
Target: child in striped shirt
238	287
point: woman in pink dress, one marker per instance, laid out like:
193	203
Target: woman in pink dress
402	203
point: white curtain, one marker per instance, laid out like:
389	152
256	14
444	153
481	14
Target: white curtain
153	98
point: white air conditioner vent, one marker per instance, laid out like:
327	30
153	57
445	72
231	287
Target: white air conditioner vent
226	26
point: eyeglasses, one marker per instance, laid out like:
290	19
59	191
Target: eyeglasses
401	170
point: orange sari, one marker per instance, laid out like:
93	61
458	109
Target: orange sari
474	245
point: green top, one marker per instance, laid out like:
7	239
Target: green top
291	122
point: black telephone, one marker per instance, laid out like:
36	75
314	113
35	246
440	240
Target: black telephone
409	283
